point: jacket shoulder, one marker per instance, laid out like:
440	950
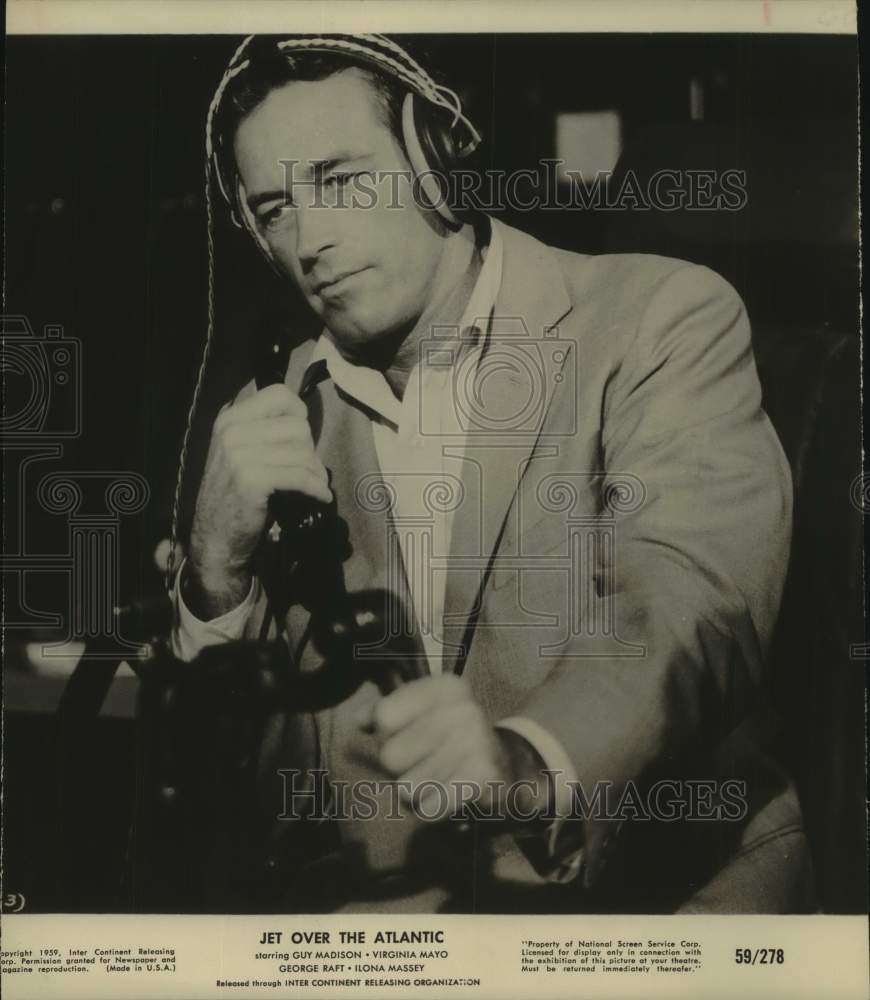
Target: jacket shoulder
618	298
632	278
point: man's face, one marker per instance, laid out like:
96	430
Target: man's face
366	271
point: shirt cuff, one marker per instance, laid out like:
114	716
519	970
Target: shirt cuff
190	635
564	779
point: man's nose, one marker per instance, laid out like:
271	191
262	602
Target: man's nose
315	233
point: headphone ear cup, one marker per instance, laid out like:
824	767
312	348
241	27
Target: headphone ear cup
436	136
429	146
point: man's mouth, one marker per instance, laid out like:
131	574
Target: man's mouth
335	283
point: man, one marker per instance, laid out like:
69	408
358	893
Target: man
593	592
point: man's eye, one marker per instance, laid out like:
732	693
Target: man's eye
272	217
339	180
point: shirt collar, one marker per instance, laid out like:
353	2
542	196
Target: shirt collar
367	385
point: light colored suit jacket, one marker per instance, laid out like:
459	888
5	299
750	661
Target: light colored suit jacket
619	555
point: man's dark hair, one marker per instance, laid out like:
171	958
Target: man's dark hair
271	68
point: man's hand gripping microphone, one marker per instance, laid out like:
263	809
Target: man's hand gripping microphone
305	544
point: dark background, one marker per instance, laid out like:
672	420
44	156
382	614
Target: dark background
105	235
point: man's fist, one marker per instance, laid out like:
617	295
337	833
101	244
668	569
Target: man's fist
259	444
432	729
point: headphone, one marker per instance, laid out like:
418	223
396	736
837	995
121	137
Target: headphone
436	134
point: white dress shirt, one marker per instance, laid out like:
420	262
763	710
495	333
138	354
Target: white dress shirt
403	448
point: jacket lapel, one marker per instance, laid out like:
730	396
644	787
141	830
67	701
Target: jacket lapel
517	375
